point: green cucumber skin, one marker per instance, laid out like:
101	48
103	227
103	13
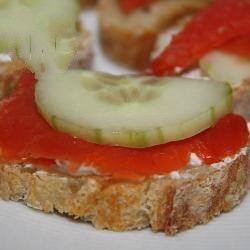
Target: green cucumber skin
125	138
45	41
139	138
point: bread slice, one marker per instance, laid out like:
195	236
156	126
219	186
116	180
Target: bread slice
87	3
170	203
129	39
242	99
9	75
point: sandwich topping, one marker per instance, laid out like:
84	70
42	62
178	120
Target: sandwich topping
41	34
211	28
239	46
230	63
130	111
151	128
26	137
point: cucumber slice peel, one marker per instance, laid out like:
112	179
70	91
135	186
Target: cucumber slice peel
130	111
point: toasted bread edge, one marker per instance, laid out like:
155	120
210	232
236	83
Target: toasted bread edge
164	203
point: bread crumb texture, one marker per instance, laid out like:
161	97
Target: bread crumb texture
164	204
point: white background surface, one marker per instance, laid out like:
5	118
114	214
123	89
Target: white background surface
22	228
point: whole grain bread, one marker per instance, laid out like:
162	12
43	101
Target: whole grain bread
87	3
168	203
242	99
129	39
9	75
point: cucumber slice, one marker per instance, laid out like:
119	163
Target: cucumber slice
3	3
41	31
65	48
225	67
130	111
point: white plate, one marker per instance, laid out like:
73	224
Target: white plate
22	228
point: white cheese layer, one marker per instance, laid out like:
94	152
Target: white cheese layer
195	161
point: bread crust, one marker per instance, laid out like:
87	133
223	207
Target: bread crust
87	3
9	75
242	99
164	203
130	39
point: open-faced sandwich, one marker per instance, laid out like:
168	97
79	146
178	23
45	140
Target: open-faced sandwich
122	152
129	29
218	41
